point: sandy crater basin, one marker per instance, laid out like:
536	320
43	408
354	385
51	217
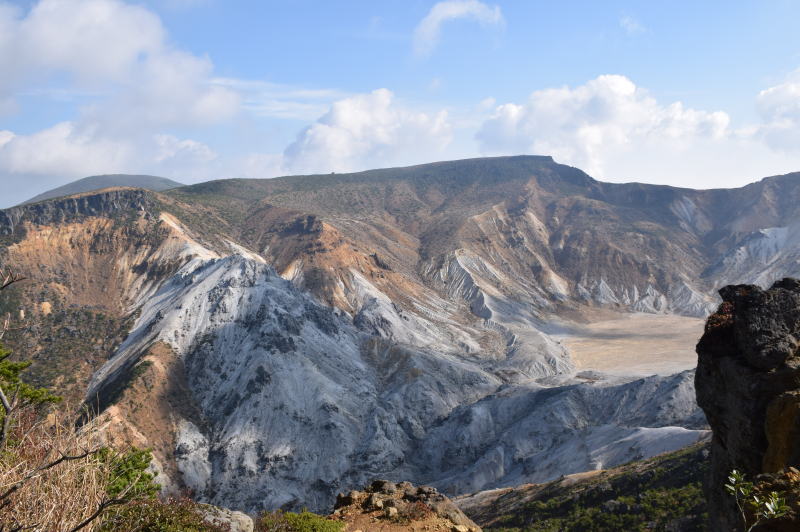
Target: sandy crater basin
635	344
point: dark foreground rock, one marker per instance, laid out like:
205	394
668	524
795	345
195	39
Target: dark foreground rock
748	384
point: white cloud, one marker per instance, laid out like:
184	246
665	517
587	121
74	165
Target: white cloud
631	25
130	90
171	148
92	39
116	60
487	103
427	32
276	100
595	125
6	137
68	151
61	150
779	107
172	88
114	48
368	131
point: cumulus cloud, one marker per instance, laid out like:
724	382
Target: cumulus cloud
259	165
5	137
427	32
118	57
779	107
487	103
368	130
91	39
597	123
171	148
67	149
172	88
116	49
61	149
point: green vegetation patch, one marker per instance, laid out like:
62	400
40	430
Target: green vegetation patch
153	515
662	493
304	521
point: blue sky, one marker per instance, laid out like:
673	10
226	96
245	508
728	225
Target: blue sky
701	94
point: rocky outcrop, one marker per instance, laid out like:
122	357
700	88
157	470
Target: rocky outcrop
748	384
385	505
76	208
229	519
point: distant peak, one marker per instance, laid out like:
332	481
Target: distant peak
99	182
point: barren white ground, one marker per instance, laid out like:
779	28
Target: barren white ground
635	344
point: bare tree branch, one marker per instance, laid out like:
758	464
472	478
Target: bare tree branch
6	324
7	410
7	327
8	277
100	509
120	499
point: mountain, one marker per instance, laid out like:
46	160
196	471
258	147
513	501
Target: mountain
98	182
278	341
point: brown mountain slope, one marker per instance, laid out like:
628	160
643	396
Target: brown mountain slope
442	285
554	233
90	261
505	239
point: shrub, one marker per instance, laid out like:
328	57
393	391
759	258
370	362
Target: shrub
305	521
17	395
754	508
129	476
53	475
153	515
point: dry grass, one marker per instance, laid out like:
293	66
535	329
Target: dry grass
52	477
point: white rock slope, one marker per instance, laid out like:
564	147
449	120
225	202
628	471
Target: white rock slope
298	403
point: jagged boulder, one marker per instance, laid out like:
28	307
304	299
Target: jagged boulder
401	506
235	521
748	384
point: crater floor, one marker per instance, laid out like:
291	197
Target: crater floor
634	344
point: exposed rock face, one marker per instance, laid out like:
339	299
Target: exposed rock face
748	384
90	262
74	208
325	330
532	433
292	401
401	506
